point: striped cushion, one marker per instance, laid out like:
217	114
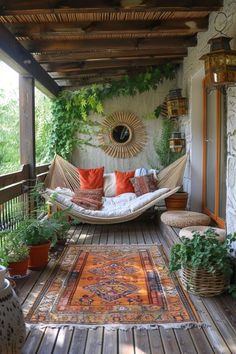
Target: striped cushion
88	198
144	184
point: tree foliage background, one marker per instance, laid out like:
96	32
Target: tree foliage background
10	130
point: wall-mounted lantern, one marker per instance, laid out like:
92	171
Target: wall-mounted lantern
220	63
176	104
177	142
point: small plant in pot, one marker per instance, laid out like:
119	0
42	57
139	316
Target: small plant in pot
62	219
15	254
204	262
38	235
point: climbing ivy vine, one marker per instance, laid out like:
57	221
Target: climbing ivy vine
71	109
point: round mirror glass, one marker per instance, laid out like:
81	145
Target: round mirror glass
121	134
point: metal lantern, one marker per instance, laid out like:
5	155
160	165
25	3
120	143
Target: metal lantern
220	63
176	104
177	142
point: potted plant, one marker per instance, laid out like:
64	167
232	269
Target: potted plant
38	235
177	201
14	254
62	219
204	262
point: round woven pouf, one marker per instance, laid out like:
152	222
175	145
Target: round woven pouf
187	232
182	218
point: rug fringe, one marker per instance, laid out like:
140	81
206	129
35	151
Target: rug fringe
114	327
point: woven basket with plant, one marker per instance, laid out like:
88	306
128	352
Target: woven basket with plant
204	262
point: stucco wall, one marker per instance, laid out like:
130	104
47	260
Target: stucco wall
141	105
192	66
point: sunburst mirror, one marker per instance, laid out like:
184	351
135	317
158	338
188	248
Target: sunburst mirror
122	135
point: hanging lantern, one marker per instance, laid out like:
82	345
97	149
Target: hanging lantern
177	142
220	63
176	104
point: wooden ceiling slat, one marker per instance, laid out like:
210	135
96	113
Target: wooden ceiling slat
61	45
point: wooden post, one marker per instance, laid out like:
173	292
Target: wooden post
27	128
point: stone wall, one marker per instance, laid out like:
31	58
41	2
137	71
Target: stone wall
191	66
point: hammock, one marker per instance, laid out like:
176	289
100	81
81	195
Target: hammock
64	175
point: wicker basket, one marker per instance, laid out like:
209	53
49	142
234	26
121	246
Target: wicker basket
203	283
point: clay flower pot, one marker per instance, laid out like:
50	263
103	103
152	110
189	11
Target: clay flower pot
177	201
38	256
18	268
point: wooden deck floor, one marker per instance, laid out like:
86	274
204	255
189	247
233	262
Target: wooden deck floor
219	313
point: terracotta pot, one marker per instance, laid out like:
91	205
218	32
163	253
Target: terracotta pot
38	256
18	268
177	201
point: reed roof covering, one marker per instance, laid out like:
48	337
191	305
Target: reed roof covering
95	41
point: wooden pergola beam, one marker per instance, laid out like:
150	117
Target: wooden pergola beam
70	57
14	54
86	66
38	6
113	28
121	44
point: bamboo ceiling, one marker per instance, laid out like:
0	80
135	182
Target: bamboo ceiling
95	41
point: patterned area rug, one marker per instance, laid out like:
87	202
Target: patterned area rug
113	285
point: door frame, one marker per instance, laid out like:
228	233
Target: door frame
215	216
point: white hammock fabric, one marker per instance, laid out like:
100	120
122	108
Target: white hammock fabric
63	179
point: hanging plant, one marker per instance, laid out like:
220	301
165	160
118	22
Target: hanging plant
71	109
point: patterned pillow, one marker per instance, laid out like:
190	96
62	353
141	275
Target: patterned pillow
144	184
88	198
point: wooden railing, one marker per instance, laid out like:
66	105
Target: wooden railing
14	196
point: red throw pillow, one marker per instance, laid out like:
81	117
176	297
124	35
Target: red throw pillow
144	184
88	198
123	184
91	178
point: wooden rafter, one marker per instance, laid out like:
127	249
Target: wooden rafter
19	7
121	44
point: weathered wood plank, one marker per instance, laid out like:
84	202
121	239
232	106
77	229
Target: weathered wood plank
141	341
78	342
201	343
33	341
170	343
185	342
94	340
63	340
48	341
155	342
126	342
110	342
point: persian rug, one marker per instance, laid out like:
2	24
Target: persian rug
114	286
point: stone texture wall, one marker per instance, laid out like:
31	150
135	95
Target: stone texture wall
191	66
231	161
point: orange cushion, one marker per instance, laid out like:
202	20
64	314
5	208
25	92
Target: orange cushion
123	184
91	178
